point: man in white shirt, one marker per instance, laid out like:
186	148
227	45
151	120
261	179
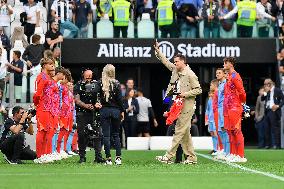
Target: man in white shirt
5	12
60	11
145	108
274	100
33	16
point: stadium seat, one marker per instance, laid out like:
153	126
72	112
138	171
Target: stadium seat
39	31
105	28
90	30
43	25
254	31
15	23
43	13
146	28
201	29
18	3
130	30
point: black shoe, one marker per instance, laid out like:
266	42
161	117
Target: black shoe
17	161
99	160
82	160
8	160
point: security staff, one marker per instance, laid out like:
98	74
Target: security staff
166	18
247	15
121	9
86	108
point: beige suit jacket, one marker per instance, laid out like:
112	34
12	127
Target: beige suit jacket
189	84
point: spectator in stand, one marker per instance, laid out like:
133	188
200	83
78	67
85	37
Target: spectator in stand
53	37
100	9
131	109
260	123
56	56
145	114
3	70
280	57
147	6
33	17
16	67
187	17
197	3
277	11
166	18
210	14
247	15
226	29
263	23
34	52
3	113
60	12
82	14
281	35
18	34
121	13
5	41
274	100
5	12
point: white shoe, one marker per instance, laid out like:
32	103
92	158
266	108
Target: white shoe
72	153
64	155
215	153
235	159
56	156
46	159
243	160
220	156
108	162
164	159
118	161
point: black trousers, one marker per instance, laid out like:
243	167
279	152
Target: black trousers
13	147
117	29
130	127
272	129
29	30
83	119
171	132
110	120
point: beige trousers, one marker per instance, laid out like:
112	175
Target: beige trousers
182	136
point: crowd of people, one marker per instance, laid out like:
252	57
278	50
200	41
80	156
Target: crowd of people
179	18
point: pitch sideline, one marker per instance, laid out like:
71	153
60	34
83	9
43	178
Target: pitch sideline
267	174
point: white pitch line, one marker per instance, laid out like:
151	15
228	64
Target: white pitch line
119	173
244	168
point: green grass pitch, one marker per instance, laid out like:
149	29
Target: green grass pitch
140	170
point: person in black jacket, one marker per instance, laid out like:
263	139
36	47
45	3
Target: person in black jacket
274	100
187	17
112	112
131	108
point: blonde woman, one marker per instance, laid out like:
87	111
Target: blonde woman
111	112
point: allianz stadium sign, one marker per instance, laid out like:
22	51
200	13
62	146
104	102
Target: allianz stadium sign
141	50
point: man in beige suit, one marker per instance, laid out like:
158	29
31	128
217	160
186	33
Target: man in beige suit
189	88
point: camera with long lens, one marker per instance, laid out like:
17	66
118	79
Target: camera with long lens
32	112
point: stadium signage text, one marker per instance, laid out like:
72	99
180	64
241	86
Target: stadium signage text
140	51
210	50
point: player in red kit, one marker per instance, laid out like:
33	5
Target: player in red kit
42	101
234	98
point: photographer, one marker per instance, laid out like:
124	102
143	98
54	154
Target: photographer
88	122
12	143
